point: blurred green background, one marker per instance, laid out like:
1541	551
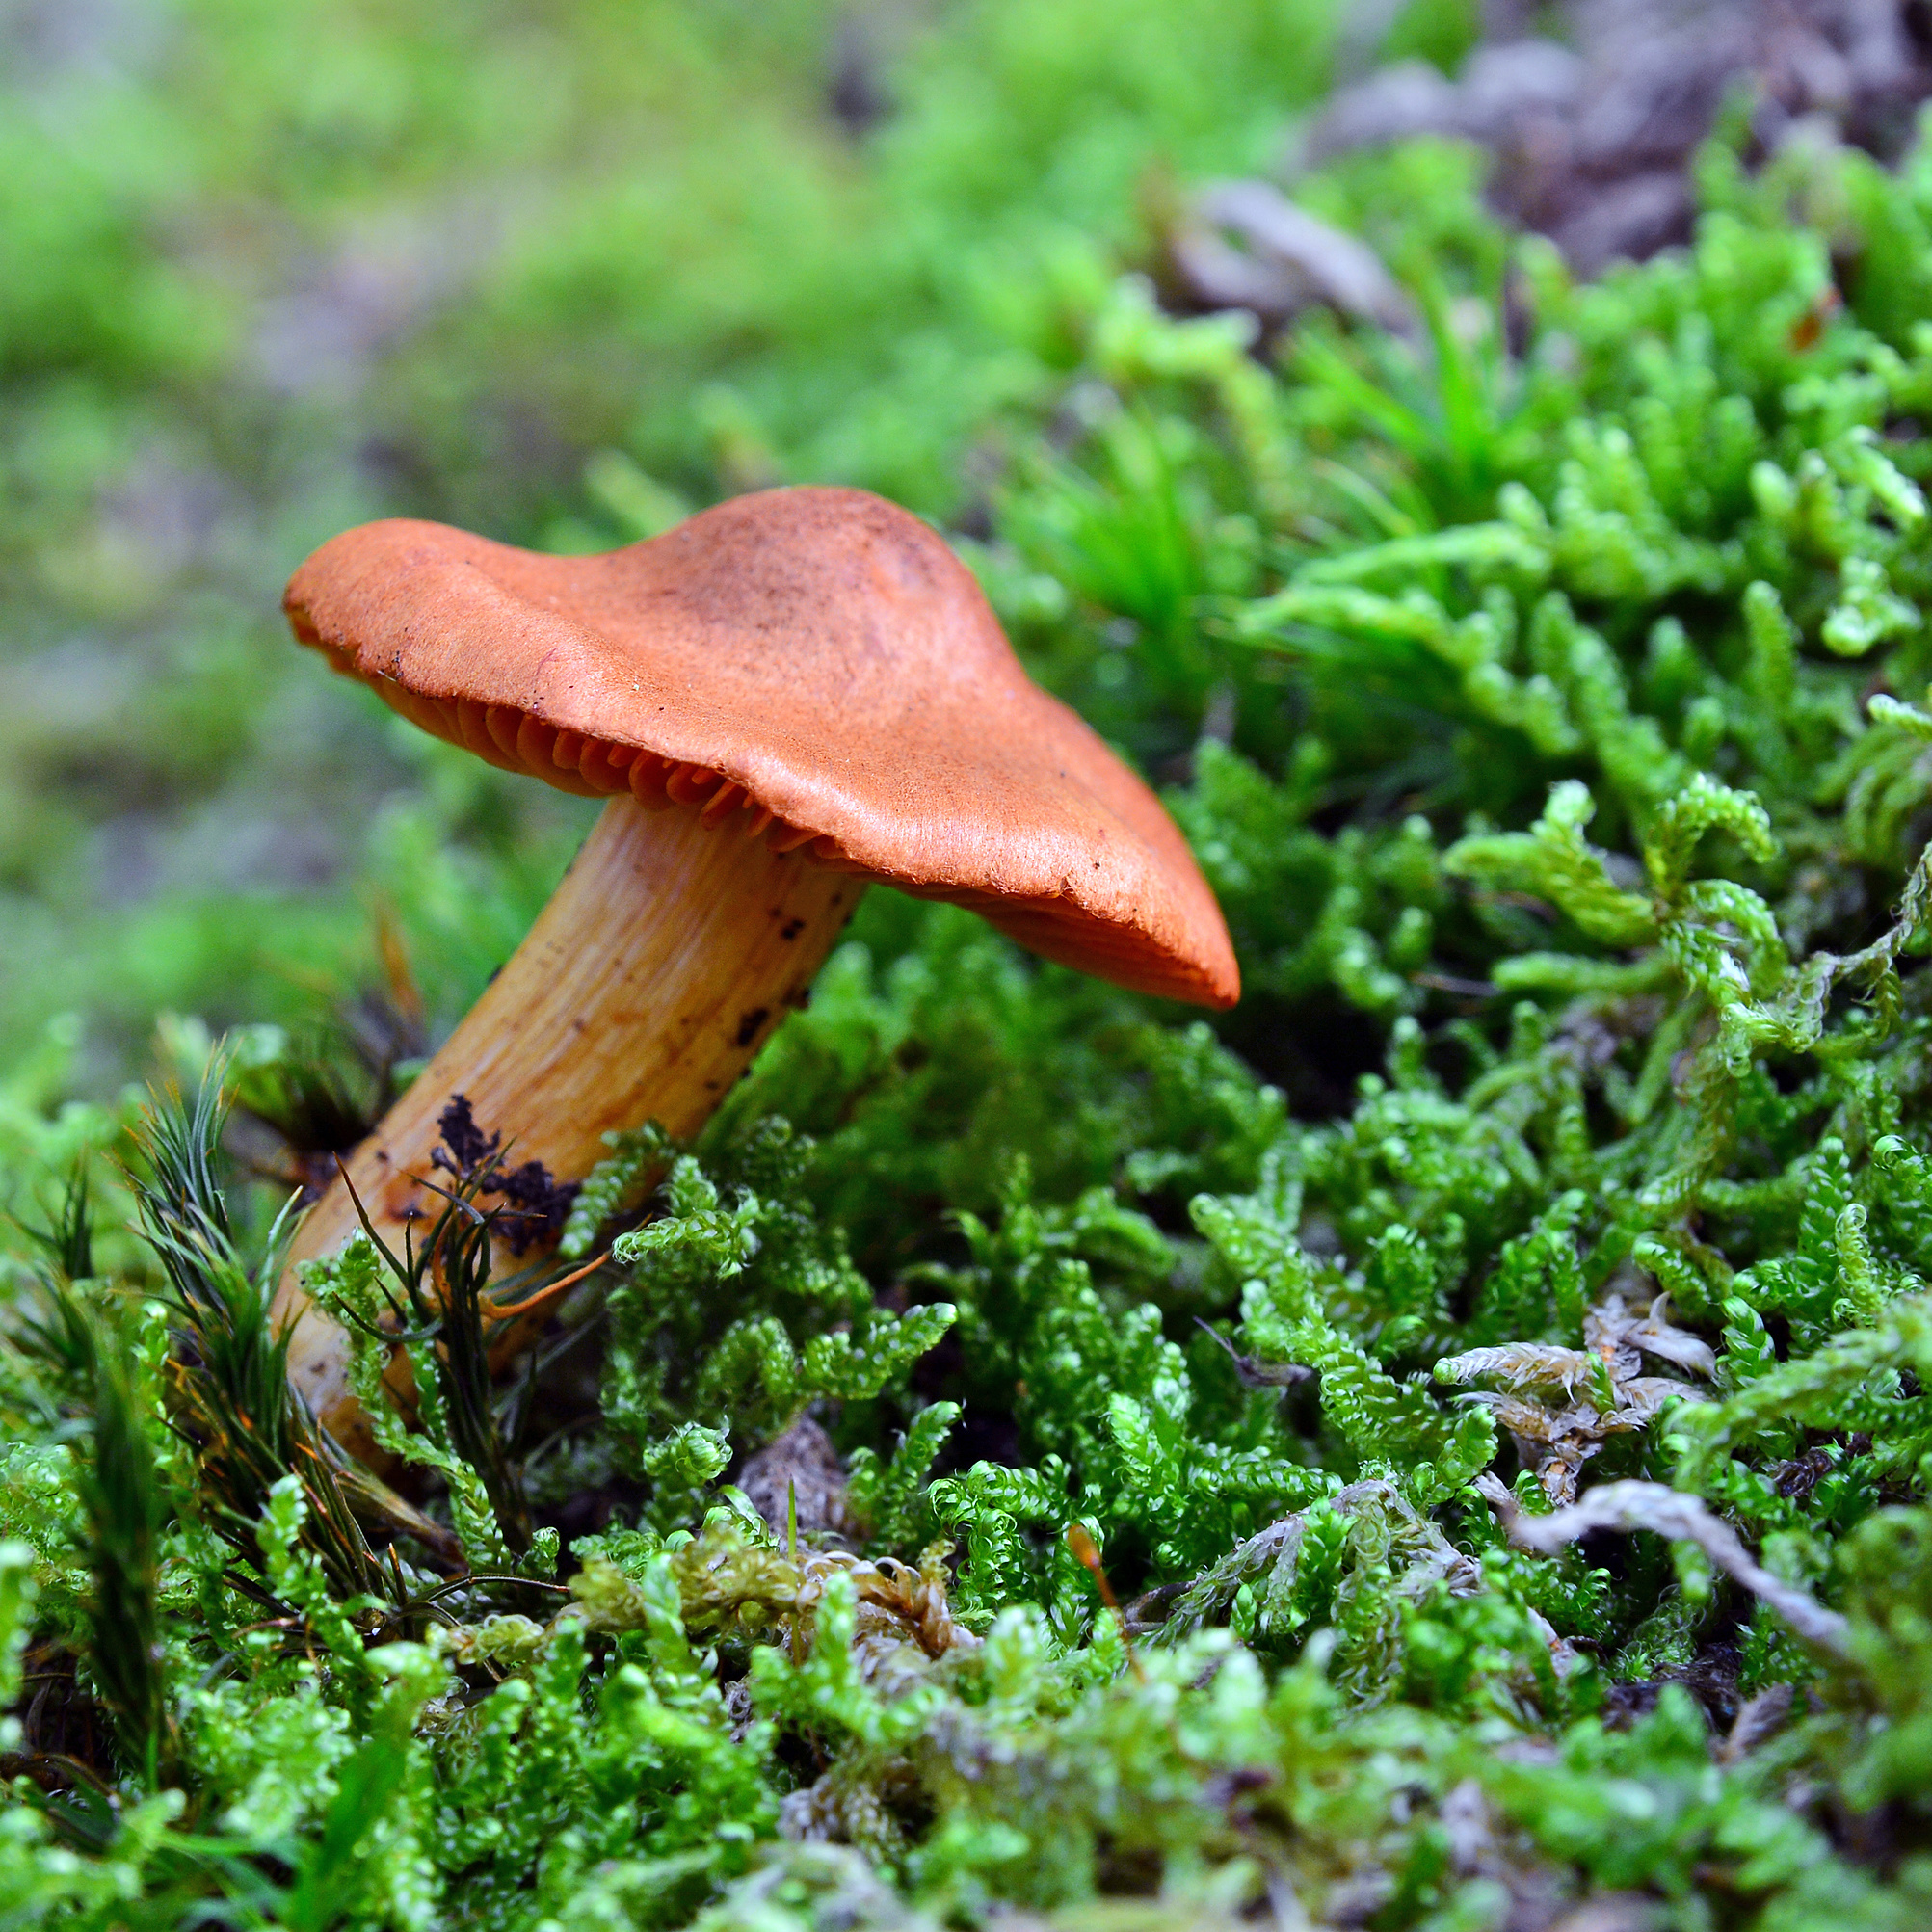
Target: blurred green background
558	273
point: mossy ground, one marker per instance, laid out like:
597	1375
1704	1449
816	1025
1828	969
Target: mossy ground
1547	700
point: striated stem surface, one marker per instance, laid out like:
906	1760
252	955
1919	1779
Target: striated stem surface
667	955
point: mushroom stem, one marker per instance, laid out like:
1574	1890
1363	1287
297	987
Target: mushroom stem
667	953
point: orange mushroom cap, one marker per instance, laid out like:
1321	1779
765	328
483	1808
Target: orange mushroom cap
819	658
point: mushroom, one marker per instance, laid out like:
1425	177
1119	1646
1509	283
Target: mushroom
787	697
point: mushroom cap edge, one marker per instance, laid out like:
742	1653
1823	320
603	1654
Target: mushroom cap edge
658	670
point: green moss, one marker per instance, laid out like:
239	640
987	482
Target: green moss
1550	723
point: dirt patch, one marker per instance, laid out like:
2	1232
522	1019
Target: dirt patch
1594	126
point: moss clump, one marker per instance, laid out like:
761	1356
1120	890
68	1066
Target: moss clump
1547	701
